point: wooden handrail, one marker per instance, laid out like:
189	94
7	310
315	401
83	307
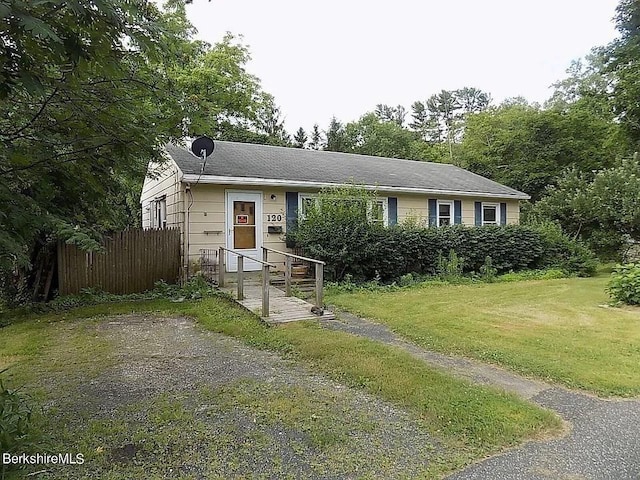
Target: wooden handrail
286	254
247	256
265	275
287	272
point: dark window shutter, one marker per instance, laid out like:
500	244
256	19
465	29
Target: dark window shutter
433	212
503	214
292	211
457	212
478	213
393	210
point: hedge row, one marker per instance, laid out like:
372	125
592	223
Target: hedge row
367	251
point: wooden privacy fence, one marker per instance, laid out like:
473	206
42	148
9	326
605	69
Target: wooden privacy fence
132	261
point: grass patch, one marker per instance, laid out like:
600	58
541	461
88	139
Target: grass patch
245	429
470	421
558	330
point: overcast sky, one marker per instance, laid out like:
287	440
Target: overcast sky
342	57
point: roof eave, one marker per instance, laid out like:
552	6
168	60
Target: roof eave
275	182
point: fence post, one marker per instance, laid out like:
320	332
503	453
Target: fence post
287	277
265	254
265	290
319	282
221	267
240	277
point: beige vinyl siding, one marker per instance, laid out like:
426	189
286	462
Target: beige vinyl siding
167	184
414	207
468	209
513	212
417	206
207	221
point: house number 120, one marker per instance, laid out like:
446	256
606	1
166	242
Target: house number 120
274	218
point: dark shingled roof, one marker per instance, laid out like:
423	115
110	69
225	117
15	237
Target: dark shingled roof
245	160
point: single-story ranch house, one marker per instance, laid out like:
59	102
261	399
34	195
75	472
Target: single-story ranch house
244	196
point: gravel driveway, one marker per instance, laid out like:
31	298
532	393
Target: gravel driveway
177	401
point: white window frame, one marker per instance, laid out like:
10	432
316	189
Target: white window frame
383	200
494	205
451	211
301	198
158	212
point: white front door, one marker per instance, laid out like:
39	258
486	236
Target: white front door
244	228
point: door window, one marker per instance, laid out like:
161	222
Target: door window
244	225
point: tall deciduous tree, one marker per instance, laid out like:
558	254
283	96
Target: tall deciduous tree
586	86
214	88
602	209
622	60
90	92
527	148
371	136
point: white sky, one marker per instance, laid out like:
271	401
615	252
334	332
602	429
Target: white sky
341	58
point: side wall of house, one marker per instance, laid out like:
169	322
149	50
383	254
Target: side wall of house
165	182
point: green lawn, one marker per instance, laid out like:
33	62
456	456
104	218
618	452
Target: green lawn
557	330
471	421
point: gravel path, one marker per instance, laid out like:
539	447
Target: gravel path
603	443
248	413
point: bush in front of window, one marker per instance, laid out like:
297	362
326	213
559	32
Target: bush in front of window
340	229
624	286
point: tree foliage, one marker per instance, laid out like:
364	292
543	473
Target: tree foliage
336	139
90	93
622	61
386	113
602	210
300	138
528	148
371	135
86	110
315	143
213	88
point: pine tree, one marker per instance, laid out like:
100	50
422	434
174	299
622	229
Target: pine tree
316	138
300	138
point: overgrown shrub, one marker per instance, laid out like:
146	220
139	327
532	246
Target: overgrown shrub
450	267
339	231
565	252
197	287
17	428
487	271
624	286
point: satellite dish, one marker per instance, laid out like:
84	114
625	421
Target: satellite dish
202	147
